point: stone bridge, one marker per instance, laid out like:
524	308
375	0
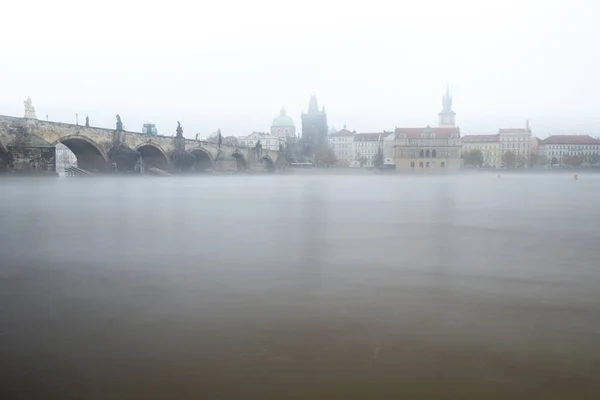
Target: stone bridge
102	150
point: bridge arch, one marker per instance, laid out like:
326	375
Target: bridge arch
153	156
241	160
4	157
90	155
204	160
269	164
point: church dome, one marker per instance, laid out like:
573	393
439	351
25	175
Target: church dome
283	120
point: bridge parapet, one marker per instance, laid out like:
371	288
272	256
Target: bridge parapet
92	145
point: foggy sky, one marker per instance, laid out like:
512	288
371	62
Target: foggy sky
234	64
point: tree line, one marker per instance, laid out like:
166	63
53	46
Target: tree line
510	159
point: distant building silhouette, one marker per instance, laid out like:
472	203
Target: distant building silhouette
283	126
314	125
447	117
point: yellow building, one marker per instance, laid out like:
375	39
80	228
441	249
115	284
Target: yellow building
430	148
427	148
489	145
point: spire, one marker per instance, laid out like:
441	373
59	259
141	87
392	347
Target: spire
282	111
447	100
313	106
447	117
527	126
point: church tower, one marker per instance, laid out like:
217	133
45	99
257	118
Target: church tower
447	117
314	125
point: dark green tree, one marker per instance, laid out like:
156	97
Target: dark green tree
473	158
509	159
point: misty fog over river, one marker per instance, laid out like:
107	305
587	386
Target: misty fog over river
300	287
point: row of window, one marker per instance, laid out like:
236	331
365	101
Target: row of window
423	153
427	153
365	144
436	142
575	147
571	153
427	165
467	147
515	138
516	146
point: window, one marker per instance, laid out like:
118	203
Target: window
427	164
433	153
421	154
412	164
421	164
427	155
442	165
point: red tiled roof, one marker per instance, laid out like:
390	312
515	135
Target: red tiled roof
370	136
415	133
343	132
570	139
481	138
517	130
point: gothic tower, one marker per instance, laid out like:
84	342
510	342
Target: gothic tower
314	125
447	117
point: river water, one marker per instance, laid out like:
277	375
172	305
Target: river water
300	287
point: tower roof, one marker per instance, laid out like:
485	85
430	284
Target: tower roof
283	120
447	102
313	105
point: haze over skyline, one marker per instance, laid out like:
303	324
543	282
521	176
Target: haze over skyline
232	65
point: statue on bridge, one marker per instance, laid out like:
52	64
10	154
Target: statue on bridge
258	149
119	123
179	131
87	122
29	109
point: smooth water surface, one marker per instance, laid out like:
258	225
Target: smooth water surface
300	287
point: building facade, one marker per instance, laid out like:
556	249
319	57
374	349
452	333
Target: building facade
283	126
314	126
367	146
566	149
518	141
342	145
268	142
489	145
427	148
388	147
430	148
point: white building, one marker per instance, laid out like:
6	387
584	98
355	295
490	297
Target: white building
268	142
283	126
65	158
557	147
388	148
519	141
342	144
366	147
